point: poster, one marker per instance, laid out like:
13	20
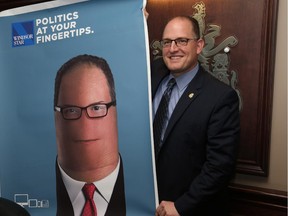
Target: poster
33	46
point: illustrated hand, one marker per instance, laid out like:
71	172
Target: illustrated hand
166	208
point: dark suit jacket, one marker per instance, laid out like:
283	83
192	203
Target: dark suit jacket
116	206
10	208
199	150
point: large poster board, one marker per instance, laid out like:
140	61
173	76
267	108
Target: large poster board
33	45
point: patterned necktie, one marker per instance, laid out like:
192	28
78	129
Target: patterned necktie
89	207
161	116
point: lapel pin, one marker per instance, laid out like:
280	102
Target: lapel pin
191	95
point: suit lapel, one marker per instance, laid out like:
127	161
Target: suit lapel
190	94
64	206
117	204
159	71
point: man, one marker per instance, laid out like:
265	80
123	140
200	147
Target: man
87	139
195	145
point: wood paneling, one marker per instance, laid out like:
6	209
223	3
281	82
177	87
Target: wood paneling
254	201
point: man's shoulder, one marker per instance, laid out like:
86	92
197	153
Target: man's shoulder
212	81
158	64
216	88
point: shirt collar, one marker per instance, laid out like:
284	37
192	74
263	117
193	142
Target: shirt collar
105	186
184	79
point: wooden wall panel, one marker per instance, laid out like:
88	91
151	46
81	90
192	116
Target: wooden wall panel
252	201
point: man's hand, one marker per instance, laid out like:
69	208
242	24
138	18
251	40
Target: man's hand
166	208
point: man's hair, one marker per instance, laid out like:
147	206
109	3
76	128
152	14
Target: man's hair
193	21
80	60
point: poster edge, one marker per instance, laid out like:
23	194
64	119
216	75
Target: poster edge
38	7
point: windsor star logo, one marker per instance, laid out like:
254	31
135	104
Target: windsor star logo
23	33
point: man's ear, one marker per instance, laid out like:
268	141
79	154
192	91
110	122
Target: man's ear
200	45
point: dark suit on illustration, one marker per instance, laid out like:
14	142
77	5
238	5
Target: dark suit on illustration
116	206
191	173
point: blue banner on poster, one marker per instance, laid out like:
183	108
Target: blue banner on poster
33	46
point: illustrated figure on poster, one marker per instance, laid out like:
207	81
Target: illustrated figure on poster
88	160
196	127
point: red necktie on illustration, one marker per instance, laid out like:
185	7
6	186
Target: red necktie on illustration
89	207
161	116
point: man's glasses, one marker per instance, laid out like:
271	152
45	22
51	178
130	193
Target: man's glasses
96	110
178	41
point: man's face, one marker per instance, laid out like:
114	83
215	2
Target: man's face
85	143
181	59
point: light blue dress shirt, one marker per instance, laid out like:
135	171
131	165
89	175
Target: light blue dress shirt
182	82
